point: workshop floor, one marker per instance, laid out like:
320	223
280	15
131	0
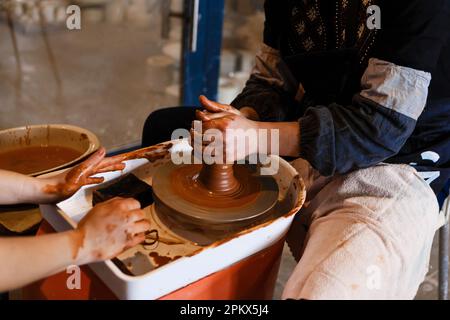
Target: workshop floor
105	83
101	80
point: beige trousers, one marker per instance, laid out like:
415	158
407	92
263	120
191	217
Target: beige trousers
363	235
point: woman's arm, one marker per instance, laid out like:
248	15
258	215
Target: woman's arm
27	259
106	231
19	188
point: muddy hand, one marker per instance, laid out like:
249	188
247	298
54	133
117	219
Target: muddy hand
108	229
67	183
230	123
215	107
152	153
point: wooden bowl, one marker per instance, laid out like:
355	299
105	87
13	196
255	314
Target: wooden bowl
79	139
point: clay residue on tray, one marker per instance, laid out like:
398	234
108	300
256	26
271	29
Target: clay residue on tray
159	260
161	246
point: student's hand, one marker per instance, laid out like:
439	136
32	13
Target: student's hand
108	229
228	120
67	183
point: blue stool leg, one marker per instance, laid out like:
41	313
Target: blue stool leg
443	261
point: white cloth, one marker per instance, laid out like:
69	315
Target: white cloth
367	234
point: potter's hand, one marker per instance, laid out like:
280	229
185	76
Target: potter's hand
215	107
108	229
223	117
67	183
232	125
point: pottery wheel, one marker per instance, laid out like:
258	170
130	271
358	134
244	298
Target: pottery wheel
215	194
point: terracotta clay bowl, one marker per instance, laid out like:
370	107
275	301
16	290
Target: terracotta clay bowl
79	139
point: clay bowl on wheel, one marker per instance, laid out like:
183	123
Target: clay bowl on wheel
180	195
39	149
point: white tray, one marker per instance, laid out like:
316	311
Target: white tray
198	261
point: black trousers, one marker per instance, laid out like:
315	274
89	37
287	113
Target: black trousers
161	123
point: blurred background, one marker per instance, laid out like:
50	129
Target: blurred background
128	59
